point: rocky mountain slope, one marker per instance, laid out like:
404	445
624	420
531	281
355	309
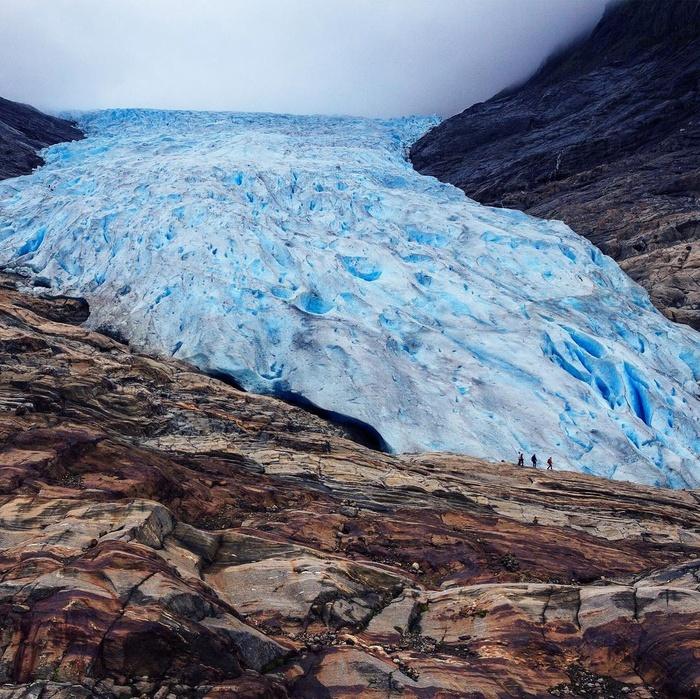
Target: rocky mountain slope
304	257
606	137
163	534
24	131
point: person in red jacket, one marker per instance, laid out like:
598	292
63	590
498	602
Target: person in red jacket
550	465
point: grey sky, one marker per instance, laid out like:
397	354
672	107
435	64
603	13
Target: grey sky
370	57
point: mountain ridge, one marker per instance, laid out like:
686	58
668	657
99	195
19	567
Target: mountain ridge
606	137
24	131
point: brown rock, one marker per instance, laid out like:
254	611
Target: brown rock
119	560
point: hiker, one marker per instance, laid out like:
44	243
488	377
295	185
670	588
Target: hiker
521	459
533	458
550	465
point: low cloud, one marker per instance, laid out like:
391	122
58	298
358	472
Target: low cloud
365	57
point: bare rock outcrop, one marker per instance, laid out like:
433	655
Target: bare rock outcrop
23	132
164	534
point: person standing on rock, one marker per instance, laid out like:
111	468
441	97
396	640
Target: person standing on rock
521	459
533	458
550	465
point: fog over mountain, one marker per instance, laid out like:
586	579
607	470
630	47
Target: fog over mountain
308	56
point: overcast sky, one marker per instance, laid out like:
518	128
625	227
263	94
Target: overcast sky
365	57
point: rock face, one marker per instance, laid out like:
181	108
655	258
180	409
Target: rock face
163	534
606	137
24	131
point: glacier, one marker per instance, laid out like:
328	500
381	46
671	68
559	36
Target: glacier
303	256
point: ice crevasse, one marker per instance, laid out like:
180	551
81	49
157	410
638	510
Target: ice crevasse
304	255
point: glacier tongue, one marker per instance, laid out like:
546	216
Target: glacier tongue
304	255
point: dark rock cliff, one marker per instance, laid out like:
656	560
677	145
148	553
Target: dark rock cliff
24	131
605	136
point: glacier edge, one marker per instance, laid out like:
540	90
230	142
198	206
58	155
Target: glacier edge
304	254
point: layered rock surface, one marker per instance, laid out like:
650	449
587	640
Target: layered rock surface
606	137
23	132
165	534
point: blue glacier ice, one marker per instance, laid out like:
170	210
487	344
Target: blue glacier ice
303	255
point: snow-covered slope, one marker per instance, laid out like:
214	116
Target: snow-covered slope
305	256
